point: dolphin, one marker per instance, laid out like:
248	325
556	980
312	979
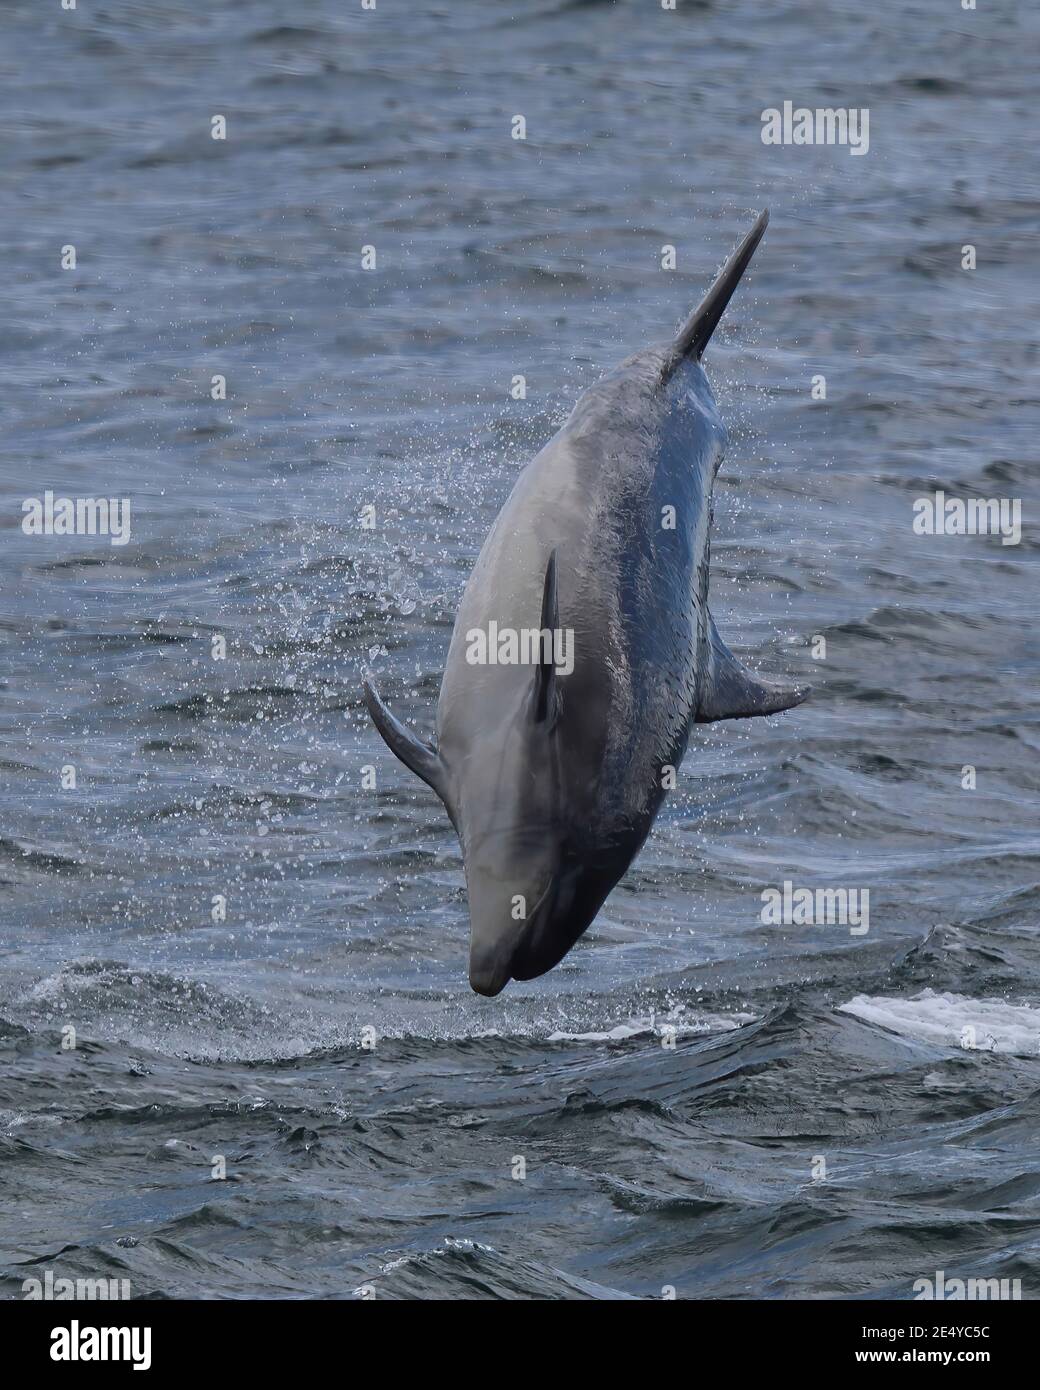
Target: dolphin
553	757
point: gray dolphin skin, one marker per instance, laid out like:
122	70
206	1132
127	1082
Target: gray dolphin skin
553	770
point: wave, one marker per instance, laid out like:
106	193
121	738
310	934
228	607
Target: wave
954	1020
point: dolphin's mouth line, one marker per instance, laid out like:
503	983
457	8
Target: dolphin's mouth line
525	944
550	887
493	983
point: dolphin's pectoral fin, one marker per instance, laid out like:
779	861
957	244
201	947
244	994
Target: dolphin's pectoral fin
731	691
546	697
423	760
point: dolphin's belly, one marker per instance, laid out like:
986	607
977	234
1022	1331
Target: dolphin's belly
627	514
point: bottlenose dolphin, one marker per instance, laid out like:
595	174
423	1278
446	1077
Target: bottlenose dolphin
553	781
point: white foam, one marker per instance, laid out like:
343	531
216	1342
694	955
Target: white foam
676	1025
451	1243
953	1020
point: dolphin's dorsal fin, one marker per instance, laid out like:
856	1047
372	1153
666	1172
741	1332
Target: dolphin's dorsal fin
545	702
696	331
731	691
423	760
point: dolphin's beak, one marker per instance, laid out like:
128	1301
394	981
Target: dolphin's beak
488	971
495	939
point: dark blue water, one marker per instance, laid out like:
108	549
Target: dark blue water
673	1085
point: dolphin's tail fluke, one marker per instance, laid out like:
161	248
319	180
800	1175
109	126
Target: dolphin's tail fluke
698	328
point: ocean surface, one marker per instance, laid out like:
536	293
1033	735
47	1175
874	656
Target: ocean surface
262	964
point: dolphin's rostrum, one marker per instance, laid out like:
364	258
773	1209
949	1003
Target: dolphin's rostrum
553	782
